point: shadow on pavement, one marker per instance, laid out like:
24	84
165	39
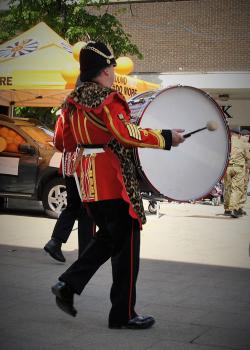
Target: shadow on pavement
197	307
22	207
217	216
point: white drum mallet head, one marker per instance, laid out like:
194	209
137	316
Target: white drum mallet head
211	126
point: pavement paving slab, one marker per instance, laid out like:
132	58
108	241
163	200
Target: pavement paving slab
194	279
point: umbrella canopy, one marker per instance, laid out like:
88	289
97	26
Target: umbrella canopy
130	86
31	66
38	69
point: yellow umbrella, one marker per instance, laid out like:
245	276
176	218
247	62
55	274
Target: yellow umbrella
38	69
31	67
130	86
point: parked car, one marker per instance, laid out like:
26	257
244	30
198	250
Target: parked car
29	164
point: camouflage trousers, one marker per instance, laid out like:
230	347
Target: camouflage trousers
244	196
234	184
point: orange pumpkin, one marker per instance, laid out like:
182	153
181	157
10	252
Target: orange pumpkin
4	131
3	144
11	147
11	140
18	140
12	134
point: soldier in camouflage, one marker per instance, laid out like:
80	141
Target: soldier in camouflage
234	180
245	136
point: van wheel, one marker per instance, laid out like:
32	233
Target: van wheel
54	197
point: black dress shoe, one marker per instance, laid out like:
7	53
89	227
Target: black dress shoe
138	322
242	212
64	298
227	212
53	247
236	214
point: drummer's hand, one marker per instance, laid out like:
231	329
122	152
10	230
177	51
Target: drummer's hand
177	137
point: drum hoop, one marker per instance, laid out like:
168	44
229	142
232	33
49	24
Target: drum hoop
137	158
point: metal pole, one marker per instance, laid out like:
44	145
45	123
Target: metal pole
11	109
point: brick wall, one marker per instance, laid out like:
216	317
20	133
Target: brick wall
189	36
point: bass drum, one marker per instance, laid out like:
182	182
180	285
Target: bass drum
190	171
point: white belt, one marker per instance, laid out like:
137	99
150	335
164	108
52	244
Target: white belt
86	152
89	151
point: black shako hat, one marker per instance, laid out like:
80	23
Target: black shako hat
94	57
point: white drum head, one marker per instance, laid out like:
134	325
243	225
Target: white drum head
191	170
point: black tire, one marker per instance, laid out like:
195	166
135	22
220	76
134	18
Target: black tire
54	197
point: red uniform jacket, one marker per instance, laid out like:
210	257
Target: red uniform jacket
101	174
65	145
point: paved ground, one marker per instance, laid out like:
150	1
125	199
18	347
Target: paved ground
194	278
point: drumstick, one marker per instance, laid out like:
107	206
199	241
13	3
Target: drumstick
211	126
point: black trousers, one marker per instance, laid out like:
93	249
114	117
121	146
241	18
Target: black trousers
74	211
119	238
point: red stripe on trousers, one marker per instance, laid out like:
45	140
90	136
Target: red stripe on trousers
131	270
94	230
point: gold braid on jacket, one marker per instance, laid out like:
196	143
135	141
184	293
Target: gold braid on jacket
92	95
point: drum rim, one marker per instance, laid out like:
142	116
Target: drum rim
228	133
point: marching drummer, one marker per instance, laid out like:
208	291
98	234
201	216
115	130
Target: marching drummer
99	119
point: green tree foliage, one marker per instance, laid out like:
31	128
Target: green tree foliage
45	115
74	20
